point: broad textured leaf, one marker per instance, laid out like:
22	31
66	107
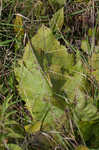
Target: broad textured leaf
33	87
44	40
44	73
57	20
75	88
33	84
71	86
53	57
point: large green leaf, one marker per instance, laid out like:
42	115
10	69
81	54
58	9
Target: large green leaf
45	74
84	108
52	56
33	84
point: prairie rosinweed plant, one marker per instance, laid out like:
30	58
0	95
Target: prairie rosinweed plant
49	62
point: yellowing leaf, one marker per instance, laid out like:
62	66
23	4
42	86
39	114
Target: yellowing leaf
33	128
57	20
90	31
82	148
18	25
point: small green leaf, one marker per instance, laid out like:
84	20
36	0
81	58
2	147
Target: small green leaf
14	147
60	2
85	46
33	84
90	31
5	43
57	20
11	133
